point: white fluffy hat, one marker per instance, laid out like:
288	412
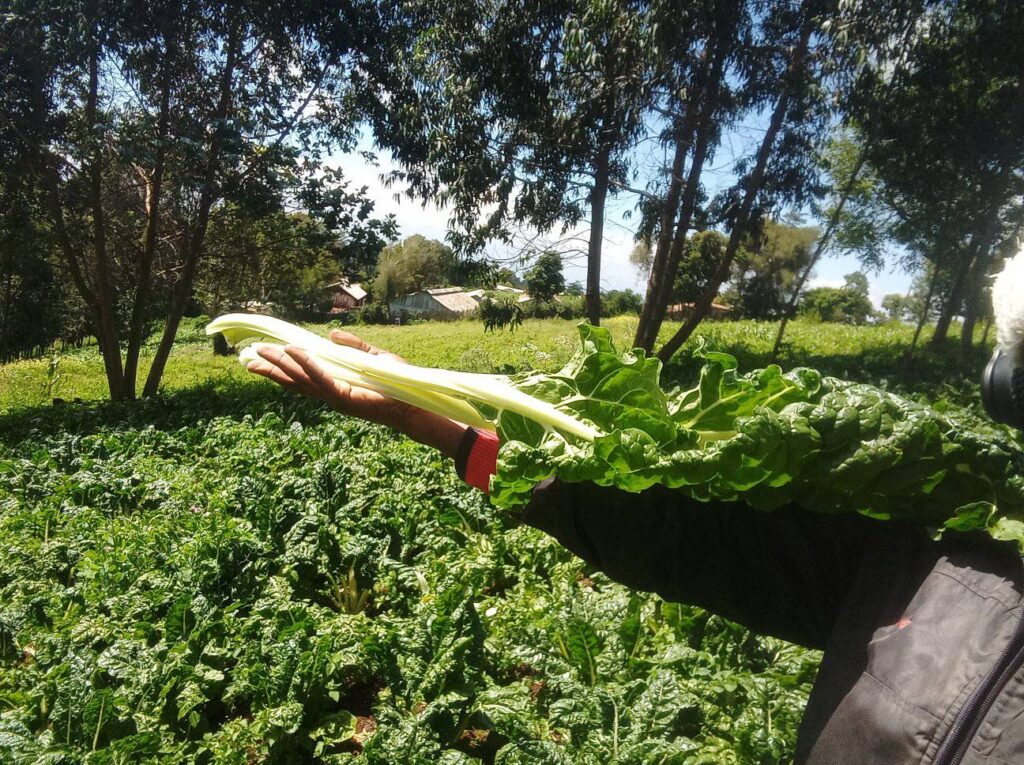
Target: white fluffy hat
1008	302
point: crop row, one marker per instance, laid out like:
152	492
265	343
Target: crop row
244	578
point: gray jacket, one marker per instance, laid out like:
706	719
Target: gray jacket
923	640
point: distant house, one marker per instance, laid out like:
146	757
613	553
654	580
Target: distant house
345	296
439	303
479	293
524	296
680	311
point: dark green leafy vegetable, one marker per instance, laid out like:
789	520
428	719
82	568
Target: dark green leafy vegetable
242	577
769	438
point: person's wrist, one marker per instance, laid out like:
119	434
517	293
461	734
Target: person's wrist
432	429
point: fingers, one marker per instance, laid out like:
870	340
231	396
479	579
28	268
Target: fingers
271	372
285	363
283	369
341	337
294	369
344	397
316	374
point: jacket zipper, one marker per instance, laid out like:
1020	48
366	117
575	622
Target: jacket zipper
973	713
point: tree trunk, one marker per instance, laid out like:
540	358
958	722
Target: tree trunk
739	229
819	249
659	270
671	242
974	288
647	330
598	196
667	282
951	305
5	310
988	329
183	289
923	318
144	277
106	301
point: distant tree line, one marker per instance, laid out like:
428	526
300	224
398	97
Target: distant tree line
417	263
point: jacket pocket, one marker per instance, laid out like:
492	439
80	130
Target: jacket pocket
875	725
948	637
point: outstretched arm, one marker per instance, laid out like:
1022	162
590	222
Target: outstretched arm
293	369
784	573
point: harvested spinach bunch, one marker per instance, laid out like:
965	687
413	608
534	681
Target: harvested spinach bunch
768	438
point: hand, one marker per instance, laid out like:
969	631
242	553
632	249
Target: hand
293	369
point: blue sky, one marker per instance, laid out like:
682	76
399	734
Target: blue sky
616	272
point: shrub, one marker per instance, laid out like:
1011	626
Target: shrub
373	313
570	307
501	311
192	329
618	302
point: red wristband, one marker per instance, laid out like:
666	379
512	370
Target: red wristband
478	457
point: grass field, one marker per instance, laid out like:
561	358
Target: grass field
228	574
869	354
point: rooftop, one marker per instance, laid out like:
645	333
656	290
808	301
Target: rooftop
355	290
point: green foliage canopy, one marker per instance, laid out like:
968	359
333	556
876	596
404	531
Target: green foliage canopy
544	280
767	270
413	264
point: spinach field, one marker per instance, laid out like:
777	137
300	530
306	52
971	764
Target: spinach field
227	574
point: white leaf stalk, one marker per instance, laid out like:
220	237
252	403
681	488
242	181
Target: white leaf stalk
437	403
1008	303
440	391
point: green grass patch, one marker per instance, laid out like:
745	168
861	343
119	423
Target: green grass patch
866	354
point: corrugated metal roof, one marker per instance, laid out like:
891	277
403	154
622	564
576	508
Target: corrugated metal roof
454	300
355	290
523	297
443	290
439	301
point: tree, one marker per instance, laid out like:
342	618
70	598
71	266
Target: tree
896	306
946	138
641	258
700	61
620	302
844	164
837	304
780	168
138	126
287	258
345	215
417	263
540	106
545	280
282	259
505	275
767	270
796	63
857	282
31	294
702	251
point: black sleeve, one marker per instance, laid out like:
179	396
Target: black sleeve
784	573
